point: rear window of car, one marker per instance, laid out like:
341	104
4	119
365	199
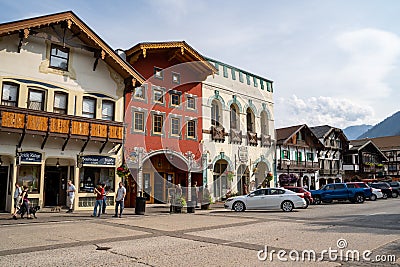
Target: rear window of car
294	189
351	185
394	184
276	191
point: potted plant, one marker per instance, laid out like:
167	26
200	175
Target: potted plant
229	176
123	171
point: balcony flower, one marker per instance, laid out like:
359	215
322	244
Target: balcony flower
123	171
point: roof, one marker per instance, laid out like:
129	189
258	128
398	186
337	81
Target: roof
357	145
184	52
321	131
68	19
284	134
386	142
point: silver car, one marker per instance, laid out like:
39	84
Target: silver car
267	198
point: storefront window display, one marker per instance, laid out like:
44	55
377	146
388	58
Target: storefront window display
29	175
90	177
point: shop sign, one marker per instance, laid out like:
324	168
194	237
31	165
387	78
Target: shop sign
98	160
243	154
30	156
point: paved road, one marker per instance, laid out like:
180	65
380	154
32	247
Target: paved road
213	238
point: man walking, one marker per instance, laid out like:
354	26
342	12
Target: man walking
70	196
99	191
17	199
119	200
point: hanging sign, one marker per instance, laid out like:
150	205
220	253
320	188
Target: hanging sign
243	154
30	156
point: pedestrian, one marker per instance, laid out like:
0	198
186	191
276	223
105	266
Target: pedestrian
99	191
106	191
70	196
119	200
17	200
25	203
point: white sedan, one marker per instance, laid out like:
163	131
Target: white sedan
376	193
267	198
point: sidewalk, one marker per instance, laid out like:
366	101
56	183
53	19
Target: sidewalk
151	210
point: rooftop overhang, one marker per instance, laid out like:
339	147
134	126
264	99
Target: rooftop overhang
68	20
178	50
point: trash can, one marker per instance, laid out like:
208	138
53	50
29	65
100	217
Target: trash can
140	205
191	205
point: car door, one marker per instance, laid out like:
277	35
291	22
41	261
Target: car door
274	198
340	192
256	199
328	192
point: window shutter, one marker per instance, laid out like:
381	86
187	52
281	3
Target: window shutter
233	74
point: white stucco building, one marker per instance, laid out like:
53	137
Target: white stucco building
238	130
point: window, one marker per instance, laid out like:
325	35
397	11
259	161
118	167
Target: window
158	73
92	176
191	129
89	107
140	92
250	120
260	192
9	95
339	186
175	126
234	118
351	186
191	103
157	124
269	87
248	79
138	121
262	84
225	70
175	99
60	102
158	96
176	78
29	175
107	110
233	72
299	156
285	154
255	81
36	99
215	114
241	77
329	187
59	57
310	156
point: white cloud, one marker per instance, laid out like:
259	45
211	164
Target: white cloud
320	110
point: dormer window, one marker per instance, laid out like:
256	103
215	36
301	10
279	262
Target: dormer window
59	57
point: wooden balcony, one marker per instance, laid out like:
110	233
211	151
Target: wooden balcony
265	140
235	136
27	121
218	133
252	139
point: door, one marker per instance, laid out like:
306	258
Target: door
3	187
159	187
340	192
256	200
55	186
274	198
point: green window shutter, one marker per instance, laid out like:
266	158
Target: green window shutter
217	67
233	74
268	86
241	77
282	154
295	156
262	84
255	81
248	79
225	70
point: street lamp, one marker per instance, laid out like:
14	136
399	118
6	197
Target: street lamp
288	166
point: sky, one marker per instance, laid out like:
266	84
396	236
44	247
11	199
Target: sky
332	62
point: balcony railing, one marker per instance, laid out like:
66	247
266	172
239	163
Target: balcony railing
265	140
218	133
19	120
252	139
235	136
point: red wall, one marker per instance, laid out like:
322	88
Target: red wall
189	83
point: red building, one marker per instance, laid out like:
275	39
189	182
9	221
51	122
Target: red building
164	119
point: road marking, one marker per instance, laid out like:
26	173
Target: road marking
378	213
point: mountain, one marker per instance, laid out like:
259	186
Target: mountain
388	127
352	132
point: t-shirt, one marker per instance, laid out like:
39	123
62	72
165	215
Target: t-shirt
120	194
101	195
71	188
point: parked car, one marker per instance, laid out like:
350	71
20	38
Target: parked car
386	189
338	191
367	189
395	186
267	198
377	193
297	189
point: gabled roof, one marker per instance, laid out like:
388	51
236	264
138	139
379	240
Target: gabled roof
183	51
69	20
321	131
357	145
387	142
283	135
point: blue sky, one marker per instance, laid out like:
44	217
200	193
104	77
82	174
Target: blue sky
332	62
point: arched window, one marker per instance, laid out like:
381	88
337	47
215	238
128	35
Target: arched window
264	123
250	120
216	113
234	115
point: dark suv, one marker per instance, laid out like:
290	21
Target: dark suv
386	189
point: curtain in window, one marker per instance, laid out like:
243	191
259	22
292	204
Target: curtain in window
89	106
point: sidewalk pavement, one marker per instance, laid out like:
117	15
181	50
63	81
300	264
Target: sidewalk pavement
150	210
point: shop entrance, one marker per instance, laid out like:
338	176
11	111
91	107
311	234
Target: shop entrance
3	187
243	177
55	186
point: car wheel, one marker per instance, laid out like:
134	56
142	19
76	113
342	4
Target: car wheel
287	206
317	200
359	198
384	196
372	197
395	194
239	206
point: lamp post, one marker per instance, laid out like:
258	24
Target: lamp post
288	165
